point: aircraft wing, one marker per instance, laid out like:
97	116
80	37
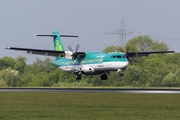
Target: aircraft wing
44	52
38	51
139	54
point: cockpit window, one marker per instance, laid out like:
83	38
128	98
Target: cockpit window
124	56
114	56
119	56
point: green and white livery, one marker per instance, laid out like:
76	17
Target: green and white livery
89	63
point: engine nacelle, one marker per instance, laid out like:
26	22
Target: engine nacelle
68	55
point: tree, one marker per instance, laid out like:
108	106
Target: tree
154	81
139	44
111	48
159	46
2	83
142	43
7	62
37	81
132	74
20	63
25	79
9	76
168	80
48	66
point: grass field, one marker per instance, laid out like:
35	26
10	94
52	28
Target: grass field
88	106
106	87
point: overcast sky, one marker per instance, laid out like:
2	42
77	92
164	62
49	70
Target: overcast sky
89	19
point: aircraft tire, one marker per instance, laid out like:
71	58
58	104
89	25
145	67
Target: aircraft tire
120	74
78	76
103	77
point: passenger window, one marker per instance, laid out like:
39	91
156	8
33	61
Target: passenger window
119	56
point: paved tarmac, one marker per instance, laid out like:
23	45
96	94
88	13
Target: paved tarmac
89	90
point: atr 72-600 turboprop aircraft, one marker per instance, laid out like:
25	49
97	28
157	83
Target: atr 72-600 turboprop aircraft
89	63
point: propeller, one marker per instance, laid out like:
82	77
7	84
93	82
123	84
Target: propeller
69	47
74	52
77	47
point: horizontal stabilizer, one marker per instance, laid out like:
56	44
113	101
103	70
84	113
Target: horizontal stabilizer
46	35
56	35
68	36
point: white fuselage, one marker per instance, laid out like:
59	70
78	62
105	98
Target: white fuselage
95	67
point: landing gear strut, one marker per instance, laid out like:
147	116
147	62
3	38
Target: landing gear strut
120	72
78	76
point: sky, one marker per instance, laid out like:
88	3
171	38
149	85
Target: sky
88	19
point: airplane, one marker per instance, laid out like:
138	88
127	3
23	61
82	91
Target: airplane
88	63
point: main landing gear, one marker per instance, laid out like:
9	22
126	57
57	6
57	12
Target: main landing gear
78	76
104	76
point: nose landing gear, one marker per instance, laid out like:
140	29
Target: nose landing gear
120	72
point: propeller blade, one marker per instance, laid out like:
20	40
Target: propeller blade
69	47
77	47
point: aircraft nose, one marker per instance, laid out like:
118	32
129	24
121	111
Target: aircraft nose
125	64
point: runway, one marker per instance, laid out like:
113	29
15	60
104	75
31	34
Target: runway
89	90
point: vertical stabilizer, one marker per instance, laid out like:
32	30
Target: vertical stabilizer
57	43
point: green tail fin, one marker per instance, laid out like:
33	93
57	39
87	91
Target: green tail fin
57	43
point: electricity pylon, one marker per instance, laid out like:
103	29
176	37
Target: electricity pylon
122	33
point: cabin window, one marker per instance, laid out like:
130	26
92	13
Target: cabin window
119	56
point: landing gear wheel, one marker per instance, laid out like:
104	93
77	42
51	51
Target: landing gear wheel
120	74
78	76
103	77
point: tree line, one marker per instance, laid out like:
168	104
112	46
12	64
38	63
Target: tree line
153	71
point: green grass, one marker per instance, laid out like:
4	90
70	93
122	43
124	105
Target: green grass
106	87
88	106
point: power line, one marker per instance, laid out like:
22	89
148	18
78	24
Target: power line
153	20
122	32
164	37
